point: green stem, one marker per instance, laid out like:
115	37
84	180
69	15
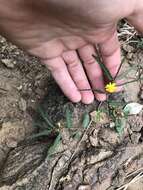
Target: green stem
94	90
128	82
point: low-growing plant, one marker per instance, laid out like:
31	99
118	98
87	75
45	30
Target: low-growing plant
49	128
115	109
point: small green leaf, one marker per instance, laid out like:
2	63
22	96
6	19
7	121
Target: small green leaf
36	125
45	118
41	134
100	117
96	116
86	120
120	124
114	103
54	146
77	135
68	118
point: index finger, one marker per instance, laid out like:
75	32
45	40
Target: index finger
61	75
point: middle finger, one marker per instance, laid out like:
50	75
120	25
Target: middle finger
93	70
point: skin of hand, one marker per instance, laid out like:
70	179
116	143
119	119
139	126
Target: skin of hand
62	33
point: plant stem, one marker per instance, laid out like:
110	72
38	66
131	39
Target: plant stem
128	82
119	68
96	90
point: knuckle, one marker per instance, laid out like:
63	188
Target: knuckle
53	67
73	64
98	75
89	60
71	60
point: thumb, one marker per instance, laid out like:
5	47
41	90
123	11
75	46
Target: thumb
136	20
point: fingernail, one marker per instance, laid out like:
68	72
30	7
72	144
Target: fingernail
76	97
101	97
88	98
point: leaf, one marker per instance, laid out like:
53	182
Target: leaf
77	135
54	146
132	108
95	116
114	104
45	118
120	124
100	117
104	68
86	120
43	133
36	125
68	118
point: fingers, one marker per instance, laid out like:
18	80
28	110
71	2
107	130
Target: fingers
93	70
78	75
60	73
70	75
111	55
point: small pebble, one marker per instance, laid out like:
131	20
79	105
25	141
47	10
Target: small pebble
84	187
22	105
8	63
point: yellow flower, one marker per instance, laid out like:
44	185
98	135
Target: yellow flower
111	87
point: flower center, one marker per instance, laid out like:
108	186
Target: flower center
111	87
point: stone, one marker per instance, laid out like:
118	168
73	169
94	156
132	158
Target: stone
22	105
8	63
84	187
138	185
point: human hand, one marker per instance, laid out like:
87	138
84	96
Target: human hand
62	33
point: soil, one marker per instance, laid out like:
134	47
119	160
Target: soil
100	159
